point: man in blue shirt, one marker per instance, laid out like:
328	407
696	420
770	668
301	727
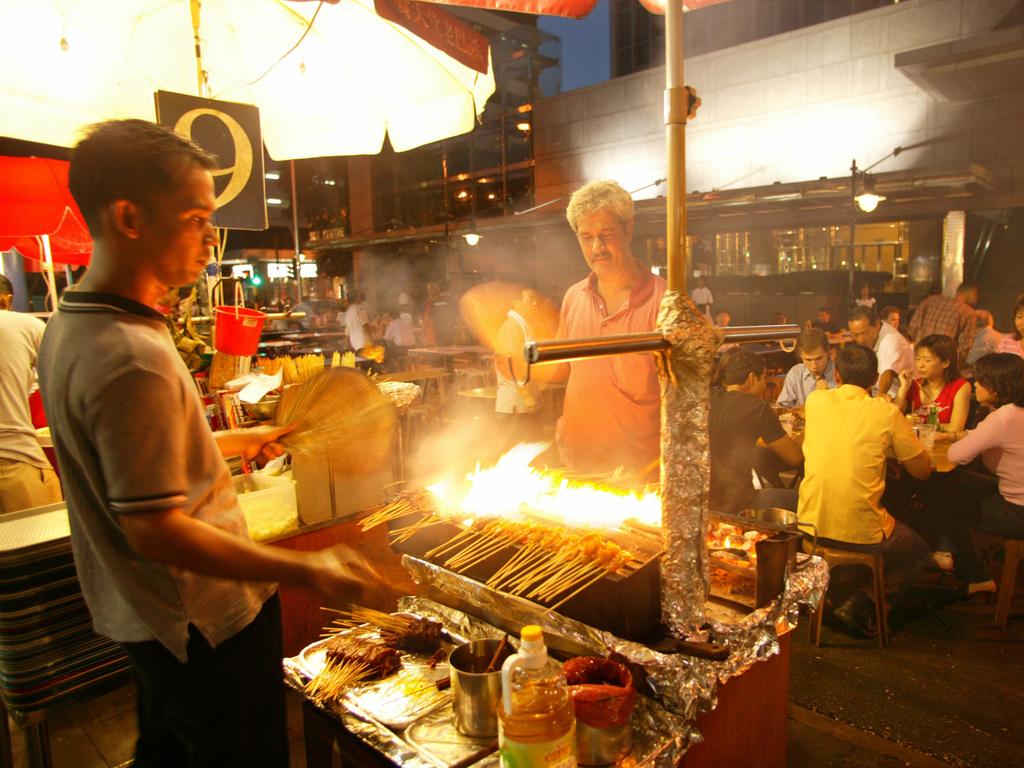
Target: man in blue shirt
816	370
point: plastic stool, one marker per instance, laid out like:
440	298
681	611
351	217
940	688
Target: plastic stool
873	560
1013	553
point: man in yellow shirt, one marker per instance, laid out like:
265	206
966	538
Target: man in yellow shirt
848	439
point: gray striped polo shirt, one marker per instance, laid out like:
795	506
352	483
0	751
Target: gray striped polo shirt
131	437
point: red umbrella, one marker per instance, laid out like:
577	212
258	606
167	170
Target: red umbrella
35	203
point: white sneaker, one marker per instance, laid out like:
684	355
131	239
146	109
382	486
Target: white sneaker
944	561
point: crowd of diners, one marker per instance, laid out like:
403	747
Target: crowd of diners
880	411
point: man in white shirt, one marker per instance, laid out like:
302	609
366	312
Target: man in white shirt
702	297
356	320
26	477
894	352
517	404
398	331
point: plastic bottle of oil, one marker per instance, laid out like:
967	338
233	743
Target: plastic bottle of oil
536	720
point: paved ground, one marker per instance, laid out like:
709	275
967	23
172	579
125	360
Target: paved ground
955	693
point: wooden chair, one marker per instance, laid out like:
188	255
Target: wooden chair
1013	550
871	560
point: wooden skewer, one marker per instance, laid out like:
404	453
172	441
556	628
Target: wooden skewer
482	555
497	653
570	596
453	542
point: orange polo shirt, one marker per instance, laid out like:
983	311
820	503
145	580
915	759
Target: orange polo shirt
612	413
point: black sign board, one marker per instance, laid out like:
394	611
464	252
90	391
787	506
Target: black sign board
231	132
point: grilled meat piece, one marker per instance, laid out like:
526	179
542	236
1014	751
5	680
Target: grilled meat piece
380	659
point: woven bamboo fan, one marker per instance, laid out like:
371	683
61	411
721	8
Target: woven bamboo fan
338	414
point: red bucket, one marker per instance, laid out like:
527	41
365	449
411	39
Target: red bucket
237	330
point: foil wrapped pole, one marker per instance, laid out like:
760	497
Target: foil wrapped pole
685	462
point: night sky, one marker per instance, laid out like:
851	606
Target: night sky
586	46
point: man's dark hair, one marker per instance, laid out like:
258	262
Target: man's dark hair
1003	374
825	309
857	365
862	313
811	339
943	348
128	160
966	288
6	288
884	312
736	365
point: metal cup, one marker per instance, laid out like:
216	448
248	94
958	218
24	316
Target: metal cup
475	693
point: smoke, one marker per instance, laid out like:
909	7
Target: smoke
470	436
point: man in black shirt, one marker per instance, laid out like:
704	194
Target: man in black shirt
739	418
825	321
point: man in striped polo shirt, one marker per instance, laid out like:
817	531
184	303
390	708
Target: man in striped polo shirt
612	411
161	547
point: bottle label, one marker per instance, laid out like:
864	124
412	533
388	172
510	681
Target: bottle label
555	753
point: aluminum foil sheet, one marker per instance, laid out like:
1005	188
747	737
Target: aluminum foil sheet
685	462
659	737
401	394
684	685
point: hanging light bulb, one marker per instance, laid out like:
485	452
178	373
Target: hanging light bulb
868	200
471	238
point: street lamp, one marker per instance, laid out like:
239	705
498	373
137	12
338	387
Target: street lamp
865	198
868	199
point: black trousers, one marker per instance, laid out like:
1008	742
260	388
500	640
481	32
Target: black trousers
225	706
977	504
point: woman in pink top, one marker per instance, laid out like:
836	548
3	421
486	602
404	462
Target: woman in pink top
935	358
999	441
1011	342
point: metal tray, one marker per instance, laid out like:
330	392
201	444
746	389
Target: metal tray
434	736
399	699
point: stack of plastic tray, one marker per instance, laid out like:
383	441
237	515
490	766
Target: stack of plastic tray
48	650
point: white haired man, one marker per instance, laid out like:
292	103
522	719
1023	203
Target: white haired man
612	411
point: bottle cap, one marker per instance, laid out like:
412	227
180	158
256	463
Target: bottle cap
531	633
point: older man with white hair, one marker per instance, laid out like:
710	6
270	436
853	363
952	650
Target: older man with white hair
612	411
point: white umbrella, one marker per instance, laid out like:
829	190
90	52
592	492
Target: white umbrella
331	88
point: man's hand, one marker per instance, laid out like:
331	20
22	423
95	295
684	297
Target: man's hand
261	442
340	575
256	443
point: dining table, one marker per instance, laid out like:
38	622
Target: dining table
446	356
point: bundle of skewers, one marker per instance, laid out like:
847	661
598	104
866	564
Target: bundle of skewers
550	563
398	631
406	503
349	661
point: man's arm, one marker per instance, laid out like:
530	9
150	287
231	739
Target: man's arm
173	538
919	466
250	443
885	380
914	328
908	450
790	395
965	336
787	450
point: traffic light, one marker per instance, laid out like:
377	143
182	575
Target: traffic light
255	280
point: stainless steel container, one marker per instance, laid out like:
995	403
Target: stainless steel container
602	746
476	693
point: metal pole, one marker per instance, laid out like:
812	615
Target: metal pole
676	103
853	226
195	7
295	237
561	350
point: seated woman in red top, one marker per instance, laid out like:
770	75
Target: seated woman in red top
937	382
